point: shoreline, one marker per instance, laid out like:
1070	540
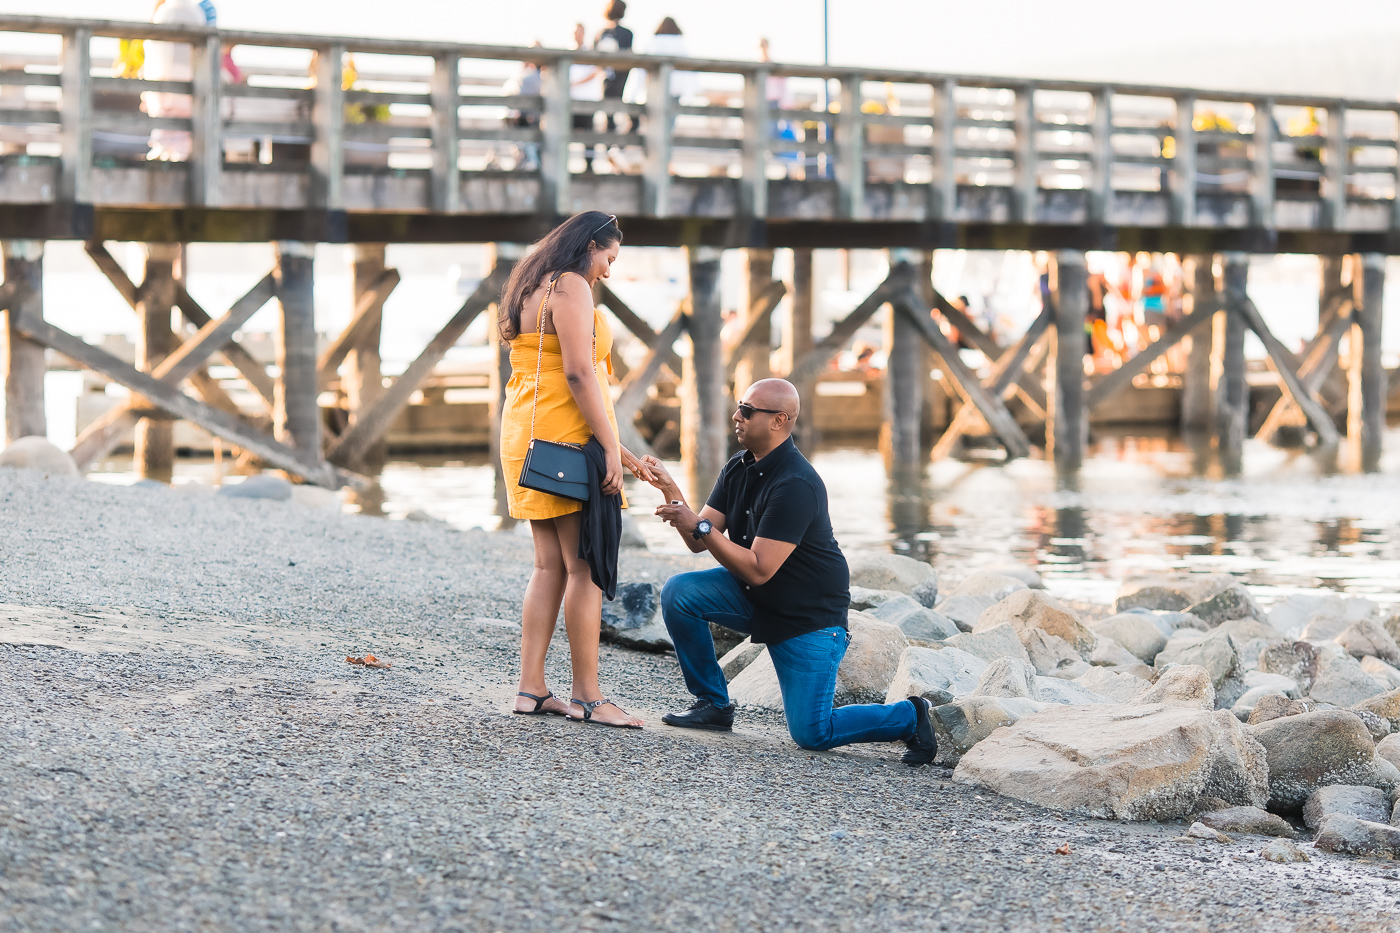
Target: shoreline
190	747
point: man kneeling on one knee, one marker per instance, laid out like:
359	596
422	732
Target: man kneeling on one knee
782	580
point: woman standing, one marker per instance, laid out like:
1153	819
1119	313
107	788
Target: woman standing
547	314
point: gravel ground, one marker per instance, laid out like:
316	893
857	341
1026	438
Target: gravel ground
185	748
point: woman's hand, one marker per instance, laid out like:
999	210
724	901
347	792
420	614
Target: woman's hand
612	480
660	478
637	467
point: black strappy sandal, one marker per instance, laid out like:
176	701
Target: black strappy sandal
589	707
539	709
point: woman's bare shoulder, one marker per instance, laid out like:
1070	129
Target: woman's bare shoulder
575	290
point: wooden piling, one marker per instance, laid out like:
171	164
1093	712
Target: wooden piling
296	417
1196	403
154	448
798	341
1369	283
23	359
1067	429
1232	389
906	372
499	374
364	380
705	430
753	365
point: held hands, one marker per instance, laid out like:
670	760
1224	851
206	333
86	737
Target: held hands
638	467
679	517
660	478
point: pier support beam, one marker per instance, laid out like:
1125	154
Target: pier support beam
155	300
22	359
1370	390
753	363
1232	389
798	342
1196	403
704	406
364	380
296	418
1067	429
499	373
906	373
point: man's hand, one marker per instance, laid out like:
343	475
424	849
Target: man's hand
679	517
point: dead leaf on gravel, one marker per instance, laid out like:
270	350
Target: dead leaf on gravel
1063	850
369	660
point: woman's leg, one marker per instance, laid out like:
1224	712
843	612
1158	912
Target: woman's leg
542	597
583	617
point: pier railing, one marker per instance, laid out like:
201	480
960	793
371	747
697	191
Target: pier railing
411	128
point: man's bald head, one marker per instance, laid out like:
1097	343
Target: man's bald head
777	394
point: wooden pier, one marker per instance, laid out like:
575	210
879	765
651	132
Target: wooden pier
437	148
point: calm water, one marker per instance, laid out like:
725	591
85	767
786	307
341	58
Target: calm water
1287	523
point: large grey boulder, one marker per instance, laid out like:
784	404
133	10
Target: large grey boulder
1381	672
1367	638
1020	572
963	723
1108	653
1385	705
1137	632
1313	750
738	658
1363	838
1029	611
1292	614
937	675
878	570
1008	678
1338	679
1233	602
1121	762
999	641
1113	686
756	686
864	599
1378	726
40	454
1249	820
1188	686
632	536
1168	592
1250	639
1276	706
633	619
966	602
1389	749
1211	650
1363	803
1063	692
259	486
917	622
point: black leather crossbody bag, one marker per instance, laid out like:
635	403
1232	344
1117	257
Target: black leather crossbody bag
550	466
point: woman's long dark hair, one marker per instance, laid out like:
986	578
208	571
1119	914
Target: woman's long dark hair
563	249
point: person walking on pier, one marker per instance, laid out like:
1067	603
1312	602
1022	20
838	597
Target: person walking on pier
560	357
782	580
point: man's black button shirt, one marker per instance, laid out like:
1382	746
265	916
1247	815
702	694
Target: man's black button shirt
782	498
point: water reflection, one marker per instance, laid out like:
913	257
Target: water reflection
1288	521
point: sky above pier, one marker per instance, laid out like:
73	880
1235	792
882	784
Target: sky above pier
1345	47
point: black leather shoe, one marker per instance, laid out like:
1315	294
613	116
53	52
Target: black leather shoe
923	744
703	715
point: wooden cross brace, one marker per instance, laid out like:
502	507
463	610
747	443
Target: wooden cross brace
759	312
169	398
999	419
814	361
372	423
187	362
1318	362
634	387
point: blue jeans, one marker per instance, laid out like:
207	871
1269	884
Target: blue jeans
806	665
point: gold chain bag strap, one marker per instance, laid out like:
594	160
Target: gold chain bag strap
550	466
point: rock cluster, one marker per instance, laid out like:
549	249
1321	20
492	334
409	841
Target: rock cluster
1189	700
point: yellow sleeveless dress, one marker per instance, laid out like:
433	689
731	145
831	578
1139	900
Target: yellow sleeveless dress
557	419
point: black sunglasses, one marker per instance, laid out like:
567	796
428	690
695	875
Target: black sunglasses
746	411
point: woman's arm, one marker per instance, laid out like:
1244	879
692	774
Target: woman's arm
571	313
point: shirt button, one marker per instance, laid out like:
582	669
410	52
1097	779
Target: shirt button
748	587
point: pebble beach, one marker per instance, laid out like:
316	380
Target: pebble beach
187	748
